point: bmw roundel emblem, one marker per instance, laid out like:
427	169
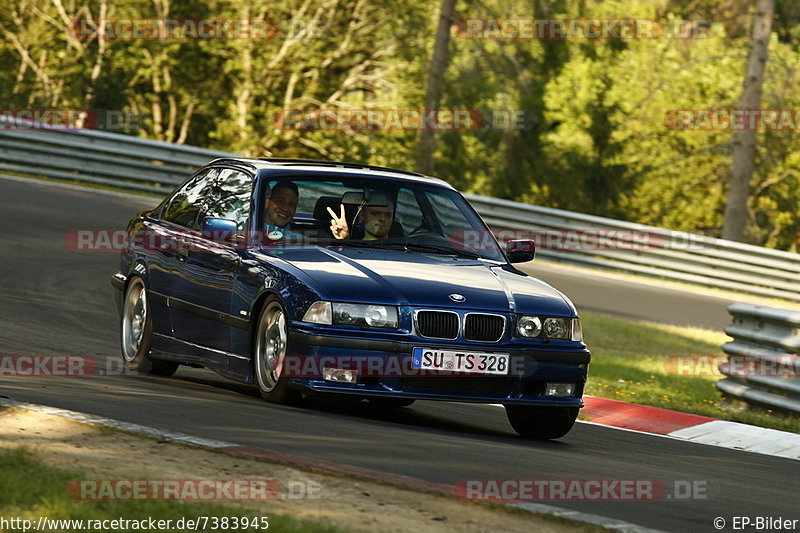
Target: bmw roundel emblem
457	297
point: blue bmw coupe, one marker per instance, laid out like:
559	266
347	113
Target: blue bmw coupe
309	277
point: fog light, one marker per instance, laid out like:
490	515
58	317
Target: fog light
340	375
559	389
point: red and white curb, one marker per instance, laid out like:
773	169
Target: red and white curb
694	428
396	480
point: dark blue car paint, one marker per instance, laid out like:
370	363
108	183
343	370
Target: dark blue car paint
205	302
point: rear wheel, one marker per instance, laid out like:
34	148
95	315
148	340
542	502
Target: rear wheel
269	354
541	423
137	331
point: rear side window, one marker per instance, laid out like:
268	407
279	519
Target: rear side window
227	195
184	208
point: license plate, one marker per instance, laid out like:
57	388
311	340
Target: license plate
460	361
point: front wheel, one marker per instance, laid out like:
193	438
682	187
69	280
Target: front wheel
269	354
136	333
541	423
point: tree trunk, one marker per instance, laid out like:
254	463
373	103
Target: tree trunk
744	140
433	94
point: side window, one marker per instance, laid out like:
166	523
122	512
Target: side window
183	208
227	195
408	213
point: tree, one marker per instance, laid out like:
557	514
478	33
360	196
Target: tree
427	138
744	140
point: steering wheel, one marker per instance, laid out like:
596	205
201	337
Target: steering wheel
421	231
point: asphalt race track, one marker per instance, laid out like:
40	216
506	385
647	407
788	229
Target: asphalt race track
54	301
635	300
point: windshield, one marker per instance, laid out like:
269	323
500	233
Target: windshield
373	213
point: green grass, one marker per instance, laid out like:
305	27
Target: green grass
30	489
632	362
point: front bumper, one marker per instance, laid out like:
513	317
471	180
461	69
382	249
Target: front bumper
392	375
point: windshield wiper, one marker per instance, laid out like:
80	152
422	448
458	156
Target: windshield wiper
347	242
472	254
407	246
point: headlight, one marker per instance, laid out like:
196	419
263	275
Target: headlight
347	314
365	315
556	328
378	316
529	326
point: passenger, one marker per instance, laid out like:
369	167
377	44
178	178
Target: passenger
377	222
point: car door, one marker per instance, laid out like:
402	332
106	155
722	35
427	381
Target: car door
201	307
165	250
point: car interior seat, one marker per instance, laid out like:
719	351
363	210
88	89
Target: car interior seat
323	218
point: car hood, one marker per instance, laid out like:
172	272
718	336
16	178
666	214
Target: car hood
421	279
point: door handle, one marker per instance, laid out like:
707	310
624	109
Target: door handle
182	254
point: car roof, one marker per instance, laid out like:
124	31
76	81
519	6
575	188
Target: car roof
332	167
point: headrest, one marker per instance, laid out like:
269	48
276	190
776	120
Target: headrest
322	205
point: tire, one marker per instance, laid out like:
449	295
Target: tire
270	346
136	330
391	402
541	423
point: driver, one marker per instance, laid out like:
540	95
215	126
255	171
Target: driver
377	222
280	209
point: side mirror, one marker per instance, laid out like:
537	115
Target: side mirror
219	229
520	251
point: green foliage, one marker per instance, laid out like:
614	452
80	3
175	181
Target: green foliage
596	138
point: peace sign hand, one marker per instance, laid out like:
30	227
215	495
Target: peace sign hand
339	224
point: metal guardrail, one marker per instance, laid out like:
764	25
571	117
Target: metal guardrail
98	156
563	236
764	357
597	242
